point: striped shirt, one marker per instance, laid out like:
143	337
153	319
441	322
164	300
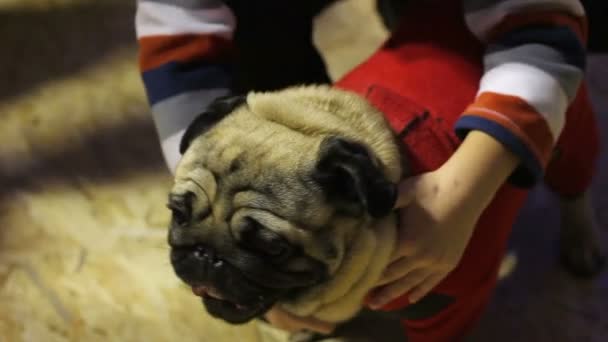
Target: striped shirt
533	66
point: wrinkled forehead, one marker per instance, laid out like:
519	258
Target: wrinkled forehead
294	199
246	163
243	139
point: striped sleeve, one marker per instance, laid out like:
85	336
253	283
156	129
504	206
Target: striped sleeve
185	47
533	66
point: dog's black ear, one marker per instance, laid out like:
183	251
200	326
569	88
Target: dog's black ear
352	179
215	112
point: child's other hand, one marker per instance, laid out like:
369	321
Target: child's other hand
289	322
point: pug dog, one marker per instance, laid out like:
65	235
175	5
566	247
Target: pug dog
274	202
286	198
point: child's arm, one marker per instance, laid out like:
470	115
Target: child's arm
185	48
533	68
534	64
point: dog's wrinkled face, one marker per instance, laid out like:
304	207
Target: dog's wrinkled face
270	192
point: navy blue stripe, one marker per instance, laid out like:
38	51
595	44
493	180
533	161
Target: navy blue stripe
529	172
175	78
562	39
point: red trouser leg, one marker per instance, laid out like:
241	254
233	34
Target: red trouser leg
449	57
472	283
571	170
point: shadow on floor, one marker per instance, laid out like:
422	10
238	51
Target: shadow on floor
50	44
103	156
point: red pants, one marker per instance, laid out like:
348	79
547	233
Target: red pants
422	78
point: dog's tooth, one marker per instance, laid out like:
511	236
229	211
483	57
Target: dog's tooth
214	293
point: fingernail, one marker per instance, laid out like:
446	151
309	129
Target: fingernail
376	303
414	299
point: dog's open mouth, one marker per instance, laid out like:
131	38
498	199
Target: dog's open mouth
214	297
206	291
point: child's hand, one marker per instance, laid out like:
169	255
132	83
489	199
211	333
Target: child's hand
436	223
440	210
289	322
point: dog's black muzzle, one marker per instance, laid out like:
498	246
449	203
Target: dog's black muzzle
237	288
225	291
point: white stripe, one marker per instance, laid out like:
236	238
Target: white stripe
482	21
154	19
177	112
170	147
173	116
538	88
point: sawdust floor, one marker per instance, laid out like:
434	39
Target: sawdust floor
83	186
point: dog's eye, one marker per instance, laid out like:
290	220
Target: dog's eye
181	208
260	239
179	217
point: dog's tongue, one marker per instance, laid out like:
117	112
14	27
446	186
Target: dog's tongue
202	290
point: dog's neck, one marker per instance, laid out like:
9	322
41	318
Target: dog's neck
323	111
342	297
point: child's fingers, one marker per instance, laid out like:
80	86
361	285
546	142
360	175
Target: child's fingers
396	270
318	326
289	322
425	287
397	288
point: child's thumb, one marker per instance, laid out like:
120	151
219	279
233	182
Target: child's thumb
407	191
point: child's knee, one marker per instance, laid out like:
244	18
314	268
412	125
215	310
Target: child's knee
573	165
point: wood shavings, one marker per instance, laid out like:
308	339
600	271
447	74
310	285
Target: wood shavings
48	292
82	209
81	260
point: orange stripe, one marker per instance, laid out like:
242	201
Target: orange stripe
518	117
553	18
158	50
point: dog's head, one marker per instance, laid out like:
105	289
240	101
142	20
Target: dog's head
271	191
